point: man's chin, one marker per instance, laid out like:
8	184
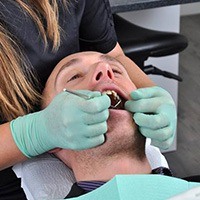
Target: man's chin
119	119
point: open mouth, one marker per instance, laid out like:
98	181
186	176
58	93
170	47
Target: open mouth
117	101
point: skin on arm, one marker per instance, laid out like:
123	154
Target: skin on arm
9	153
136	74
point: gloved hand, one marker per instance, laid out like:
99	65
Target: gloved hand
69	122
155	114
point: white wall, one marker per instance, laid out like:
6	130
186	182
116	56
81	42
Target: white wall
164	19
190	9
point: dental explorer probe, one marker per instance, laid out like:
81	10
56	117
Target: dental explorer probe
84	96
87	97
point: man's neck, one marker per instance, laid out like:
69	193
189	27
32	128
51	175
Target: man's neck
108	168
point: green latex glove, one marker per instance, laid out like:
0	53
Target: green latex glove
155	114
69	122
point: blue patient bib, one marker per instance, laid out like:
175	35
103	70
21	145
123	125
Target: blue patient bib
139	187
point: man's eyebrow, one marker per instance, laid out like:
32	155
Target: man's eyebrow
66	65
71	62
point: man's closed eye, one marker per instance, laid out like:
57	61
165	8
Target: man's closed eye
74	77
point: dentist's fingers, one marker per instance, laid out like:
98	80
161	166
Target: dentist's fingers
160	135
95	130
152	121
164	145
146	93
91	142
96	104
143	105
95	118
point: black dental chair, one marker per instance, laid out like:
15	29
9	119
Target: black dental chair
140	43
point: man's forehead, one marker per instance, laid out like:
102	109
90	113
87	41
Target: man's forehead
82	55
86	57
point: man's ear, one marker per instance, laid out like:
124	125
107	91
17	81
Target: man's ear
55	150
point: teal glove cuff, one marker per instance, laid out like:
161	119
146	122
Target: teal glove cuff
20	129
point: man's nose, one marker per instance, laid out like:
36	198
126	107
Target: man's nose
103	71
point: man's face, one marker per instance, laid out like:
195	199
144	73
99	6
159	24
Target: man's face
97	72
91	71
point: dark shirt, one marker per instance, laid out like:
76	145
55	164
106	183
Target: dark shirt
10	186
86	25
84	187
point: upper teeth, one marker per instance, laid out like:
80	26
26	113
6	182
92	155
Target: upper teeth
112	92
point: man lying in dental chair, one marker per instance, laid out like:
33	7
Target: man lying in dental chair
123	152
124	149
